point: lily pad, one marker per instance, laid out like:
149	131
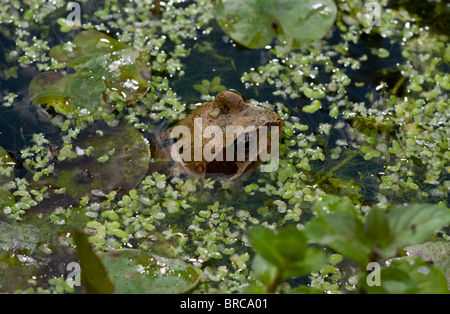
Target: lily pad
103	66
254	23
135	271
116	158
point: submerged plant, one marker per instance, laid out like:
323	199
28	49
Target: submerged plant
210	87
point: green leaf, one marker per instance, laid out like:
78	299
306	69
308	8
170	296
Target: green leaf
291	244
344	233
216	81
206	84
215	85
20	257
311	261
436	252
137	271
282	249
263	270
262	241
377	228
18	238
94	277
202	89
305	290
392	281
287	250
414	224
103	66
254	23
253	289
67	92
6	162
427	277
6	198
409	275
313	107
331	203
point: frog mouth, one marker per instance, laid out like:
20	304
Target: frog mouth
235	167
230	169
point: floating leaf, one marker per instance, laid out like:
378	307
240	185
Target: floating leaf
103	66
254	23
6	198
313	107
136	271
128	160
65	92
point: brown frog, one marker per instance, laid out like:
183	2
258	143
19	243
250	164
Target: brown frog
225	137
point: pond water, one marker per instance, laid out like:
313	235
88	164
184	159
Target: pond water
379	136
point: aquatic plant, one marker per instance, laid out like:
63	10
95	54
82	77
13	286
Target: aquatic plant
255	23
369	241
103	66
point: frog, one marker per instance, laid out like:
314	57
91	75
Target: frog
117	157
222	138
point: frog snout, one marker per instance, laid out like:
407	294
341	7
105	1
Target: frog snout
228	101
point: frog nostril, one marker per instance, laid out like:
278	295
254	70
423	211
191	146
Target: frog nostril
225	108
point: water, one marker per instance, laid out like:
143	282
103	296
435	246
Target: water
216	216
